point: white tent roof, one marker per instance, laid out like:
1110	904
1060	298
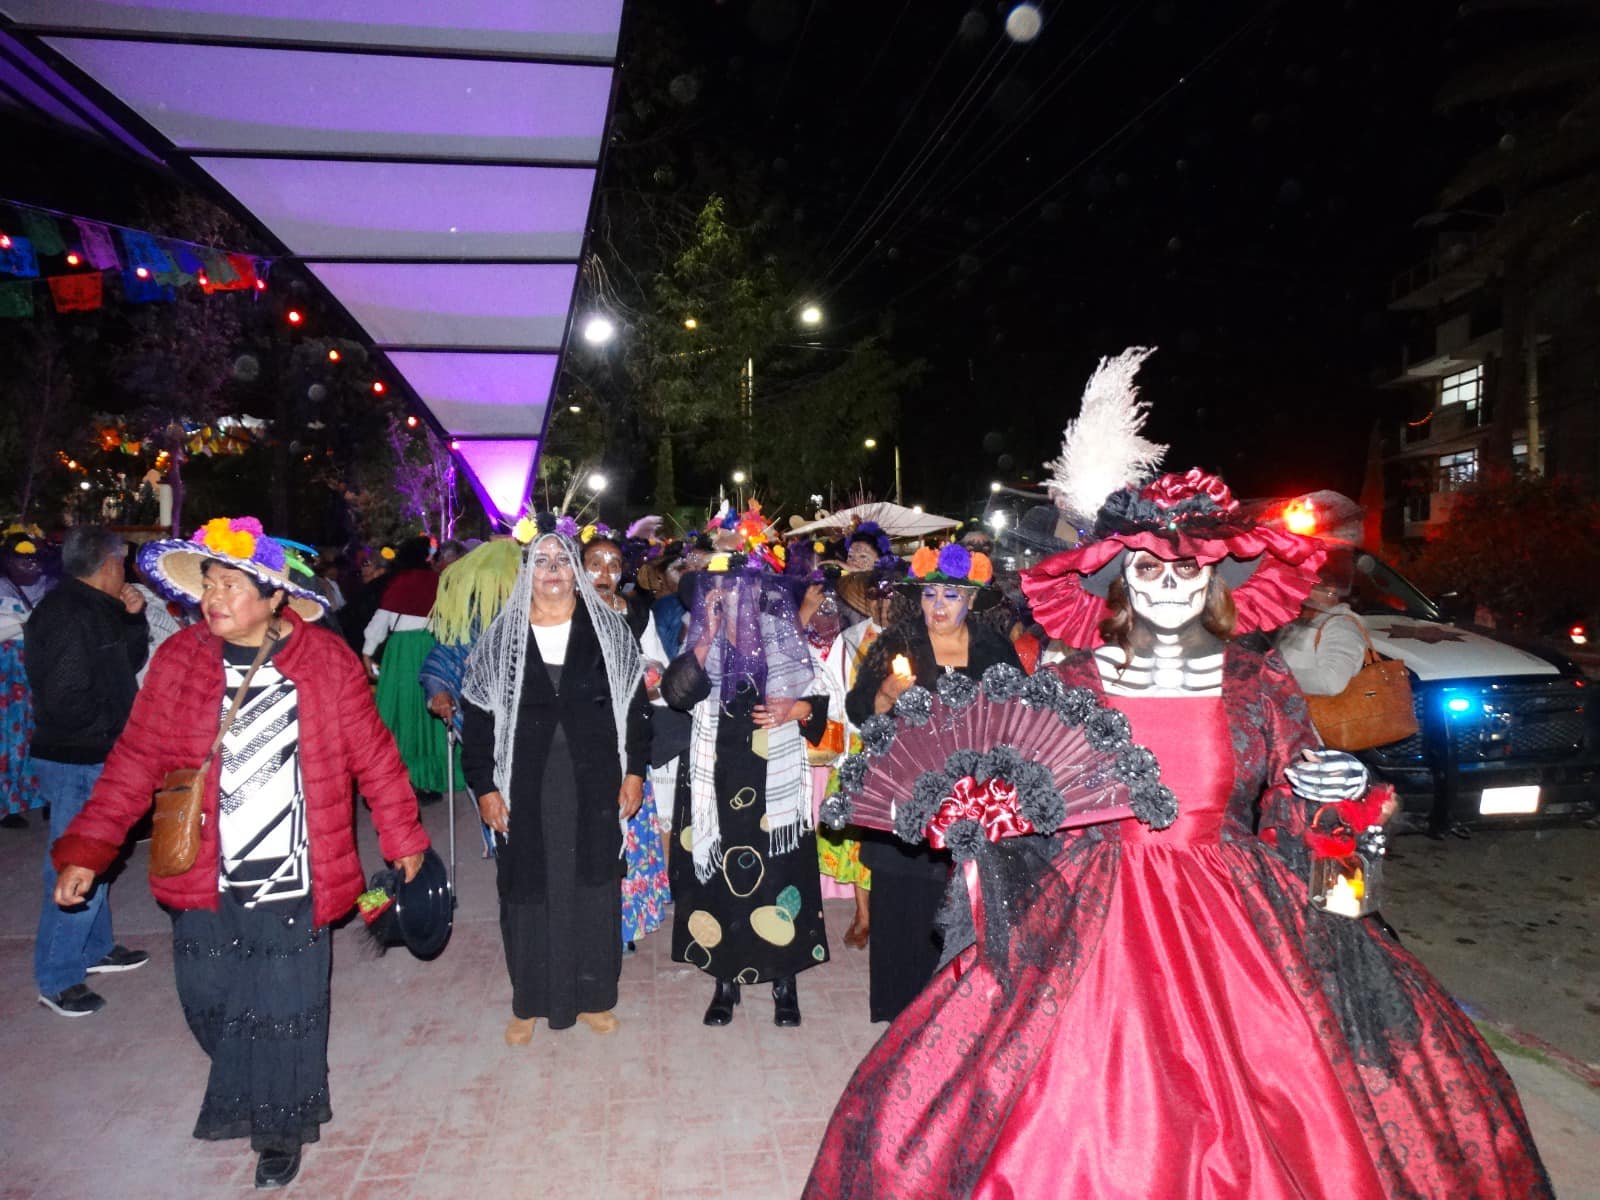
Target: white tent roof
432	163
896	519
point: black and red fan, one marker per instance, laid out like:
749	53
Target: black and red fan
1018	754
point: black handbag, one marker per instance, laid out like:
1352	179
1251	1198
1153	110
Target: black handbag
669	734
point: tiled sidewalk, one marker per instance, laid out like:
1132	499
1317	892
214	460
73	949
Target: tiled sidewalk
427	1098
429	1102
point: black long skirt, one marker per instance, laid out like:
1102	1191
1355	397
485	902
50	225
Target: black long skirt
562	940
253	983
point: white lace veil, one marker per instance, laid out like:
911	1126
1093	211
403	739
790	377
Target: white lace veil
496	666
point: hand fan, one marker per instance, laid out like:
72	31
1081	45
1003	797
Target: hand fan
1017	754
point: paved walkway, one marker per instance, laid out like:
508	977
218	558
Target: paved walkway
428	1101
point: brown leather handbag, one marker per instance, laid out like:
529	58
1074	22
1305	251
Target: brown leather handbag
180	800
1375	707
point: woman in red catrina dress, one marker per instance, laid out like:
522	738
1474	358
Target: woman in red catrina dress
1170	1018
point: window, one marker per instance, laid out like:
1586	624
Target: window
1456	471
1464	388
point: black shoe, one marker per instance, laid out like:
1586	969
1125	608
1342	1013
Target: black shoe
785	1003
120	959
429	797
277	1168
76	1001
13	821
723	1001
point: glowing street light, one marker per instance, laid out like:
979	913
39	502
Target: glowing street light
574	408
811	315
690	323
598	330
739	477
995	486
871	443
597	482
997	520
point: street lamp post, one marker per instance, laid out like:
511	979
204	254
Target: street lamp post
872	444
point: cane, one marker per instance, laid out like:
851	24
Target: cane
450	789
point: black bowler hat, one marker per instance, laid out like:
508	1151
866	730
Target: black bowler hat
418	915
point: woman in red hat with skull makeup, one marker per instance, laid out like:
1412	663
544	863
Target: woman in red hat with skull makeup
1172	1017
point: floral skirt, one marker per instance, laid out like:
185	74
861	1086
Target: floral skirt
19	786
645	893
838	854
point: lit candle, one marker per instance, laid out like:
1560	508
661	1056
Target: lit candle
1344	897
901	666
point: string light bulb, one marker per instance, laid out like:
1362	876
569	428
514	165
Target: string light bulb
333	356
261	285
454	445
411	421
378	387
142	272
5	241
74	259
294	316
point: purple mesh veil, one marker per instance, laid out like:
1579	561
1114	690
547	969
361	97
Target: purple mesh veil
756	638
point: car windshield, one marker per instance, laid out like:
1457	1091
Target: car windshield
1378	589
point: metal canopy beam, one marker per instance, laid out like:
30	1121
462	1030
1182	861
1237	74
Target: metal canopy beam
432	165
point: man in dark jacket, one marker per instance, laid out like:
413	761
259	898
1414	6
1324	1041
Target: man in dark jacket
83	648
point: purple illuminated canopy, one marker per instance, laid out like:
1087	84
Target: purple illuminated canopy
501	469
432	164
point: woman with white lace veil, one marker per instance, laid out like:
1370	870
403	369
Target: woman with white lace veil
555	682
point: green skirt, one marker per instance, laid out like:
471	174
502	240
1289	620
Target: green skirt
404	708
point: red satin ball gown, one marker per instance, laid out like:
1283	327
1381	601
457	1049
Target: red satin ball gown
1181	1023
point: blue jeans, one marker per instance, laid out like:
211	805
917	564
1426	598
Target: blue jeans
69	942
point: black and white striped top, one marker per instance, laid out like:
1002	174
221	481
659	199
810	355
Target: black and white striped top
262	810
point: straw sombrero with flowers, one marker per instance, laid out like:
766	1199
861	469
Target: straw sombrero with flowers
173	564
955	565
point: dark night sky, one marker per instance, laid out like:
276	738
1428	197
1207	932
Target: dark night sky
1011	212
1074	197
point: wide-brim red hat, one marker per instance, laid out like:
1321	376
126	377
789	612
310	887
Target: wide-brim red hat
1269	571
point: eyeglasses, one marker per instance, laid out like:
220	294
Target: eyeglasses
552	564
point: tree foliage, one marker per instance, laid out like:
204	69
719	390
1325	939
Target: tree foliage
1526	548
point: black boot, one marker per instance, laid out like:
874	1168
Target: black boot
785	1002
277	1168
723	1001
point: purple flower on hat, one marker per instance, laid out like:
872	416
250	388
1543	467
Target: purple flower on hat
270	554
955	561
567	525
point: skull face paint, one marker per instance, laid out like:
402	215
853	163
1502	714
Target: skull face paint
1166	595
944	607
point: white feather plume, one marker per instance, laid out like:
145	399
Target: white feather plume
1101	448
645	527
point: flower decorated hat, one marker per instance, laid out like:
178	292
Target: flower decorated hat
953	564
1101	481
173	564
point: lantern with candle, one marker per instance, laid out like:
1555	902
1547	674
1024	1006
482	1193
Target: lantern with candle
1347	845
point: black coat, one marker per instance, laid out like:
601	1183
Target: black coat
83	651
582	710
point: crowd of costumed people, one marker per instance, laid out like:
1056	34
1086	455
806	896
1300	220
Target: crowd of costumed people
1076	815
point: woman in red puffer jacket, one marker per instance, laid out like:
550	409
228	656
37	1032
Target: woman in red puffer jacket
277	861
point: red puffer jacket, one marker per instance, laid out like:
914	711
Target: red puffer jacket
172	725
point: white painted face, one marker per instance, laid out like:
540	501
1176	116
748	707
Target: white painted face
1166	595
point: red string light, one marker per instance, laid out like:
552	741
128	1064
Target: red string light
411	422
74	258
378	387
5	241
293	316
333	356
261	285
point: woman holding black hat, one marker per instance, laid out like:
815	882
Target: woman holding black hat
277	862
748	904
555	746
908	882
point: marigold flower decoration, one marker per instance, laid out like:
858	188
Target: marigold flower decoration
232	538
952	563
